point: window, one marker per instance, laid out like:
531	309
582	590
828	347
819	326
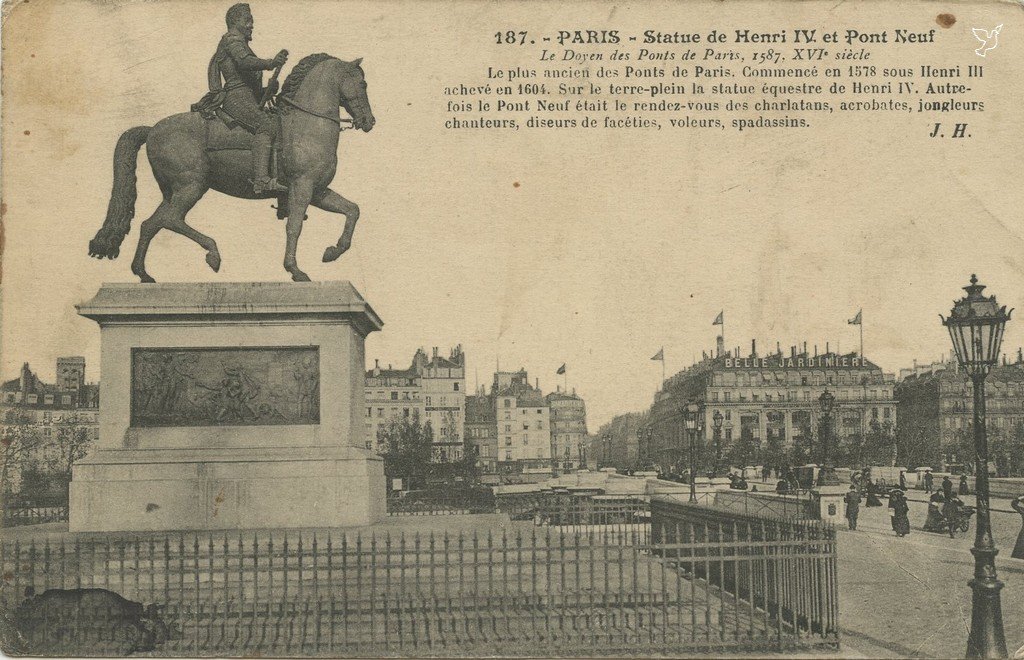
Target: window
887	413
48	399
405	412
369	412
428	401
394	396
540	425
508	428
65	400
456	385
380	412
728	435
32	398
728	396
526	426
508	441
508	454
714	396
508	403
526	439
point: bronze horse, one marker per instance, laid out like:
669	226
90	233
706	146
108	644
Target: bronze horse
186	166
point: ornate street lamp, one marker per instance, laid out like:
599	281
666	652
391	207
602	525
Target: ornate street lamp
716	421
976	326
641	452
650	448
692	414
826	476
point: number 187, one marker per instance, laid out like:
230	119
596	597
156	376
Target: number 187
511	37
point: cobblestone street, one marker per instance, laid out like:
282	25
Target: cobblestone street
908	597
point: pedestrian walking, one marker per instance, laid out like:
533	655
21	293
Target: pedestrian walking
1018	506
928	482
963	489
903	480
900	512
947	487
852	500
766	472
951	512
935	522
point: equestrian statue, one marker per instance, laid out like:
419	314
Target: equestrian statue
244	140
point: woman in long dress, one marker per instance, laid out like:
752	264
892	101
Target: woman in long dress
872	493
935	522
900	512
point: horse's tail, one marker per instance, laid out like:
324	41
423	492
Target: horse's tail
121	208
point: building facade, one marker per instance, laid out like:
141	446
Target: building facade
46	427
568	415
523	421
482	432
935	408
431	390
770	404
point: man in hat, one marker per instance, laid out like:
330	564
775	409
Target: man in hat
852	500
243	88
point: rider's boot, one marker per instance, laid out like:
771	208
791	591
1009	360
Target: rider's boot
262	182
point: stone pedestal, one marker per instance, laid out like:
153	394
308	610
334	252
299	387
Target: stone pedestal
229	406
831	505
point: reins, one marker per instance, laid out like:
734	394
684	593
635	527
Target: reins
340	122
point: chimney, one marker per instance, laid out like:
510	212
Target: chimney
815	350
792	351
1020	356
435	352
574	391
720	345
753	348
826	348
778	348
805	348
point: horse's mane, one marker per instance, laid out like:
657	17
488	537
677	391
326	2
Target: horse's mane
300	71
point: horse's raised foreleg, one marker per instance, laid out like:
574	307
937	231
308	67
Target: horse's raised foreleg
299	195
147	230
335	203
181	202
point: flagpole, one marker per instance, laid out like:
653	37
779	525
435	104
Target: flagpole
861	333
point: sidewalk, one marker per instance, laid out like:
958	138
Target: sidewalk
908	597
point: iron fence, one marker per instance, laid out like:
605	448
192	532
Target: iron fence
782	567
17	515
583	589
442	502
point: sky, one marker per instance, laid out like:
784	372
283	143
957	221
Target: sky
534	248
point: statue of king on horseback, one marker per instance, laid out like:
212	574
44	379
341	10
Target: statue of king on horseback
228	141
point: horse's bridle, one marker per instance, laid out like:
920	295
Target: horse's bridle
337	120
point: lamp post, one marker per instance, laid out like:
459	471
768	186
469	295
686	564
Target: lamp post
976	325
827	401
606	449
691	416
716	421
641	452
649	432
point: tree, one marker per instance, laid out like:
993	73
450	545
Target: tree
20	439
408	447
72	440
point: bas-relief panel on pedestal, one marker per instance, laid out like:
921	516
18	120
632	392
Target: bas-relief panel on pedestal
225	386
